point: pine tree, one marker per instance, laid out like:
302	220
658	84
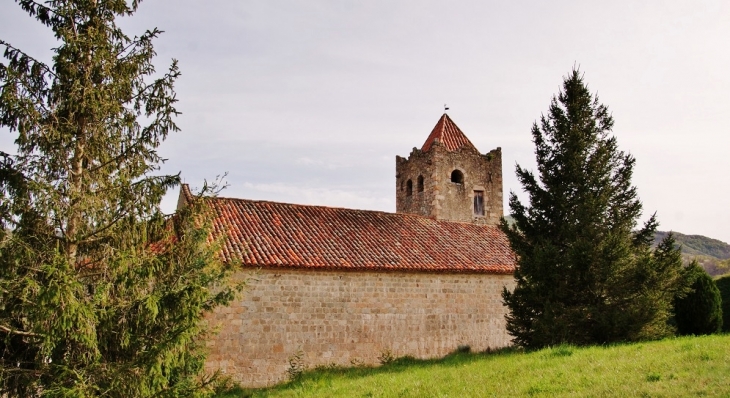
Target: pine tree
100	294
584	275
700	310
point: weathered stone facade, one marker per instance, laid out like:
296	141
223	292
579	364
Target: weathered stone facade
449	179
434	194
353	317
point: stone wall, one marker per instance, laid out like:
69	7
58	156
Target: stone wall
353	317
442	199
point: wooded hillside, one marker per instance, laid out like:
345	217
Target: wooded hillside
712	254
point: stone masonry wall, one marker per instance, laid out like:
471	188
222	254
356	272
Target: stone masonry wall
353	317
442	199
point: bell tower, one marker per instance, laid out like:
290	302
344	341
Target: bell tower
448	179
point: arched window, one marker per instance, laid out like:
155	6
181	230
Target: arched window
457	177
420	183
409	188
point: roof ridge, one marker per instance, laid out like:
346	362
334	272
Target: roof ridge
412	215
304	205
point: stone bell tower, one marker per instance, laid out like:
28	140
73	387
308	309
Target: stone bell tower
448	179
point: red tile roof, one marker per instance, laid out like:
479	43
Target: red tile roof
270	234
449	135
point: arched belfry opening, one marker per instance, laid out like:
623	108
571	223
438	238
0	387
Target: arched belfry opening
457	177
420	183
409	188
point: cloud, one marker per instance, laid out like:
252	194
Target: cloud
307	161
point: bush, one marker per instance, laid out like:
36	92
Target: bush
723	285
700	311
297	365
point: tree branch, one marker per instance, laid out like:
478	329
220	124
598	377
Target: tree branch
16	49
18	332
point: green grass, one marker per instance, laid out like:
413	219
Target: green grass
688	366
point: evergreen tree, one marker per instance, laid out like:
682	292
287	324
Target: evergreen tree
100	295
723	285
700	310
584	275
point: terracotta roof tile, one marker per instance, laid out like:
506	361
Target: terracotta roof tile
270	234
449	135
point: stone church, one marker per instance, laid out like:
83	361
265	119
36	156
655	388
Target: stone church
343	286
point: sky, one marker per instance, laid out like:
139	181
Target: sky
310	101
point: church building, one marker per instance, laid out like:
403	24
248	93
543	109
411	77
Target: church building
346	287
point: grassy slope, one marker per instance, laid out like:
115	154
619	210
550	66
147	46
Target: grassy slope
688	366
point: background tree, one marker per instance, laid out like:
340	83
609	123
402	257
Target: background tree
100	295
584	275
700	310
723	286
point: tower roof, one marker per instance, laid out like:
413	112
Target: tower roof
449	135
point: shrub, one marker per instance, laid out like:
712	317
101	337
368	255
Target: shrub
386	356
723	285
698	312
297	365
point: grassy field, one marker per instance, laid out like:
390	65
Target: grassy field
691	366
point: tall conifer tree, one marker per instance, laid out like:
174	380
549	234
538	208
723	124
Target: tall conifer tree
584	275
100	295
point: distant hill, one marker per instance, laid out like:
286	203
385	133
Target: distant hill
698	245
712	254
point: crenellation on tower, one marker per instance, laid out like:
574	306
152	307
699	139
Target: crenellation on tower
449	179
